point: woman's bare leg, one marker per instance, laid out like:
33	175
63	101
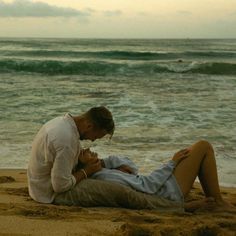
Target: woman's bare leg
200	162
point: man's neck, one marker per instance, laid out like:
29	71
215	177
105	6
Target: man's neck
79	120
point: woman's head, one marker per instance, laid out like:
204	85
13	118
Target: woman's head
87	156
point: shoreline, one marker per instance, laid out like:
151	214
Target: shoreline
20	215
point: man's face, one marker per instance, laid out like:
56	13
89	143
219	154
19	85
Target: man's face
92	133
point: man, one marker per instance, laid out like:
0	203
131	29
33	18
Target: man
54	175
56	149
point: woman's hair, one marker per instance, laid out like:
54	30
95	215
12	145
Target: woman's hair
102	118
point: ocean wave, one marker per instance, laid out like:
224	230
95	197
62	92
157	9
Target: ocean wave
101	68
216	68
120	55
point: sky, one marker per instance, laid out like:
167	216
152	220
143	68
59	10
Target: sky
118	18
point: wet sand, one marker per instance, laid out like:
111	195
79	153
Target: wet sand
19	215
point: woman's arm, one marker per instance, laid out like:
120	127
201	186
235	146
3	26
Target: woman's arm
121	163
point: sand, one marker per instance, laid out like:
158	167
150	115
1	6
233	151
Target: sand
19	215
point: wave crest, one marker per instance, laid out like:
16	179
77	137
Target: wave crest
120	55
101	68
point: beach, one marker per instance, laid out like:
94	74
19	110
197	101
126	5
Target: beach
164	94
20	215
166	71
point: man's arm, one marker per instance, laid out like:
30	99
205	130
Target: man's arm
90	165
61	173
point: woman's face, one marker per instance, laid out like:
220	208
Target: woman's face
87	156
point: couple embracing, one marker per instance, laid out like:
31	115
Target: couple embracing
61	172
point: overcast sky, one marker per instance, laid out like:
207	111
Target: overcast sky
118	18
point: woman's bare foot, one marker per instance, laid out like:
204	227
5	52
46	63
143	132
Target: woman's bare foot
222	205
206	204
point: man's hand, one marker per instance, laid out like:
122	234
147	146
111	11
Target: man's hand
91	162
90	165
125	169
180	155
93	167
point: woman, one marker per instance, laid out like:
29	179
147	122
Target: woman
172	181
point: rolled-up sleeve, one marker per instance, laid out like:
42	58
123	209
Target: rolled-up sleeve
61	174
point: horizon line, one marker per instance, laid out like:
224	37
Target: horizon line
121	38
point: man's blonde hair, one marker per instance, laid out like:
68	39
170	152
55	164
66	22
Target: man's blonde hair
102	118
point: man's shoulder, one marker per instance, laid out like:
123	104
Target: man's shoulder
58	122
55	120
59	128
62	132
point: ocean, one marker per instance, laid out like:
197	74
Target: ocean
165	94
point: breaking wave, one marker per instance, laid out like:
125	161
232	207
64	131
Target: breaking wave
120	55
102	68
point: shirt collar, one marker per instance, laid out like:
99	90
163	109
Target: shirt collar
69	117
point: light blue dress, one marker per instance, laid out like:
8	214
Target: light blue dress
160	182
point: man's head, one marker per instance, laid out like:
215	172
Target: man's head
95	123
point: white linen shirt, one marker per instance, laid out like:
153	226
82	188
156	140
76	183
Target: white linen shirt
54	155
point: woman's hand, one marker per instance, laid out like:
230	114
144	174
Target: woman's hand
125	169
180	155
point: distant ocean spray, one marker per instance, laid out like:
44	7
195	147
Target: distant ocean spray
164	94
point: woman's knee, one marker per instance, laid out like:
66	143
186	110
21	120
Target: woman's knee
204	144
